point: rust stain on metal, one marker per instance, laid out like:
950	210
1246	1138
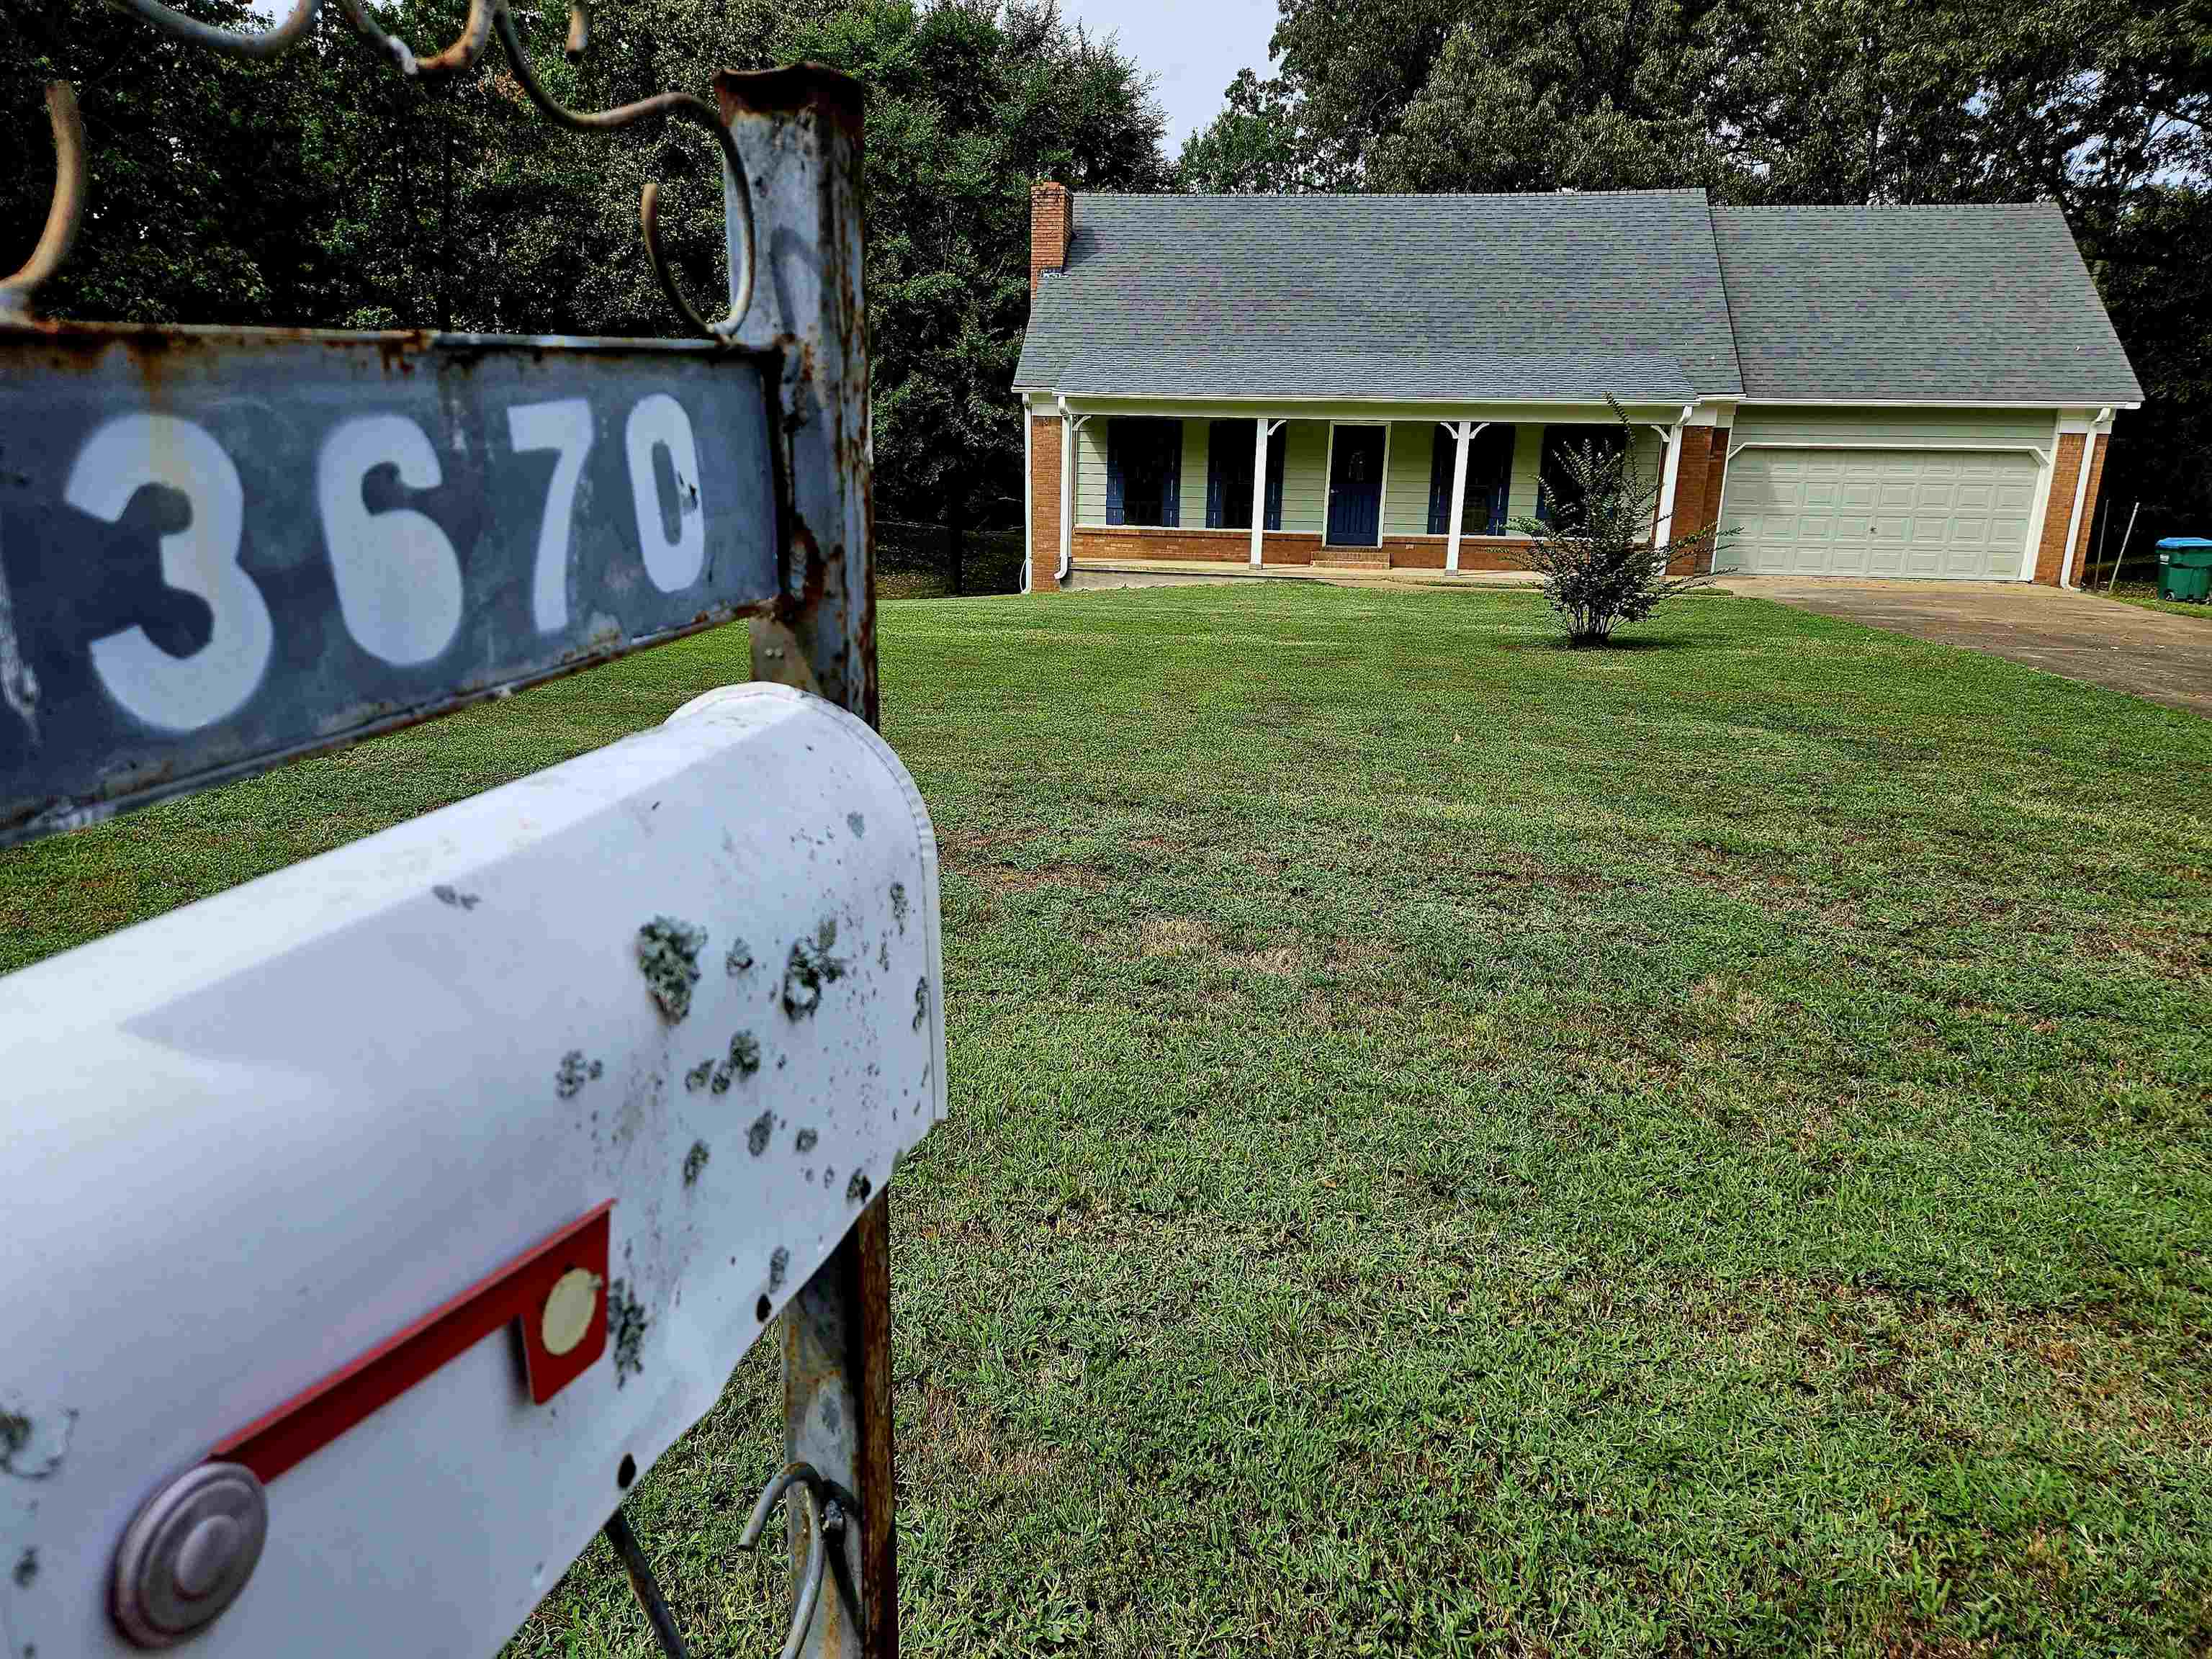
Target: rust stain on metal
792	90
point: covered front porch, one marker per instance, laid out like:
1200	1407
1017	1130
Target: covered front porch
1354	485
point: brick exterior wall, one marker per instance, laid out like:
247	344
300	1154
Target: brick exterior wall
2083	547
1044	502
1128	541
1716	481
1428	552
1698	481
1052	228
2065	473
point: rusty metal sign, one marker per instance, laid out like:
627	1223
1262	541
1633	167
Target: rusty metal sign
222	550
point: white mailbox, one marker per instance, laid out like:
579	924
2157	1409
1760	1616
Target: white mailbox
370	1227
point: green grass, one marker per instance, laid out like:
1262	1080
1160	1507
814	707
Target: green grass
2145	594
1462	1146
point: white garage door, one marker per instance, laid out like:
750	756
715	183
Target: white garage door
1959	514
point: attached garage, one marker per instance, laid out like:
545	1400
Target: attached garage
1943	495
1882	513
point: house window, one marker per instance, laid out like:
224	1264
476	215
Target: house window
1556	491
1143	471
1228	475
1489	476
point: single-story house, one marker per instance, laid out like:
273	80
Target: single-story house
1386	380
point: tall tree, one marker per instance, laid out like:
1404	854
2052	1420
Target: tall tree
1253	146
969	103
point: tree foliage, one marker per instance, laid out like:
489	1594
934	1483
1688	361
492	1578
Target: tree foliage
2105	108
323	190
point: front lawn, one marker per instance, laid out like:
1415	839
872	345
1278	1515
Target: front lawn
1462	1146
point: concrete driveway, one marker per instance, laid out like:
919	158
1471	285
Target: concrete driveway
2148	653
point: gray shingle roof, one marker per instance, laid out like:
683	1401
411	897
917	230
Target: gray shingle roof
1554	297
1990	303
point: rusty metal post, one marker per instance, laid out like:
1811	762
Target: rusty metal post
800	133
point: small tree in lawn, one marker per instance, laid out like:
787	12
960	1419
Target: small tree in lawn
1594	551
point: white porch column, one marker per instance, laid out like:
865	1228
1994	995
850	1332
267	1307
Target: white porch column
1463	433
1259	483
1262	429
1662	530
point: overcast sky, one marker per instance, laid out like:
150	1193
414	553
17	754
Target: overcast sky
1193	47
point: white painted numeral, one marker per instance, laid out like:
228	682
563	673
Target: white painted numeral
658	421
178	693
564	427
398	578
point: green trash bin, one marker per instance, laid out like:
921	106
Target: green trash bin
2184	569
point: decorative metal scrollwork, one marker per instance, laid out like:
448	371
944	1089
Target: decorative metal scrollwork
827	1507
486	18
63	214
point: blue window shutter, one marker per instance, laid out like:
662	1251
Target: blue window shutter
1171	468
1213	478
1276	443
1443	457
1489	474
1113	471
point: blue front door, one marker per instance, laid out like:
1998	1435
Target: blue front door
1355	487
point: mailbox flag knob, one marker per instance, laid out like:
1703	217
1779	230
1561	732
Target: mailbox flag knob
187	1553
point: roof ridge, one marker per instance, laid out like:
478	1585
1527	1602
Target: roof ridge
1727	299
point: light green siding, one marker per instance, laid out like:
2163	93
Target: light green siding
1527	456
1406	478
1901	427
1651	456
1090	472
1190	510
1305	476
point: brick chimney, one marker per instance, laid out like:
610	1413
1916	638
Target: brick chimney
1052	230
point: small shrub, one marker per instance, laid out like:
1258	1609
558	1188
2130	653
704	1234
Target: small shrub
1595	554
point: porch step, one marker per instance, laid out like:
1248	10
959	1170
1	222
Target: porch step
1335	559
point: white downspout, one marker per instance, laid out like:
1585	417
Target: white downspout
1069	423
1028	500
1262	429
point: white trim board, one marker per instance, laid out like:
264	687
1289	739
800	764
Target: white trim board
1933	444
1915	402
